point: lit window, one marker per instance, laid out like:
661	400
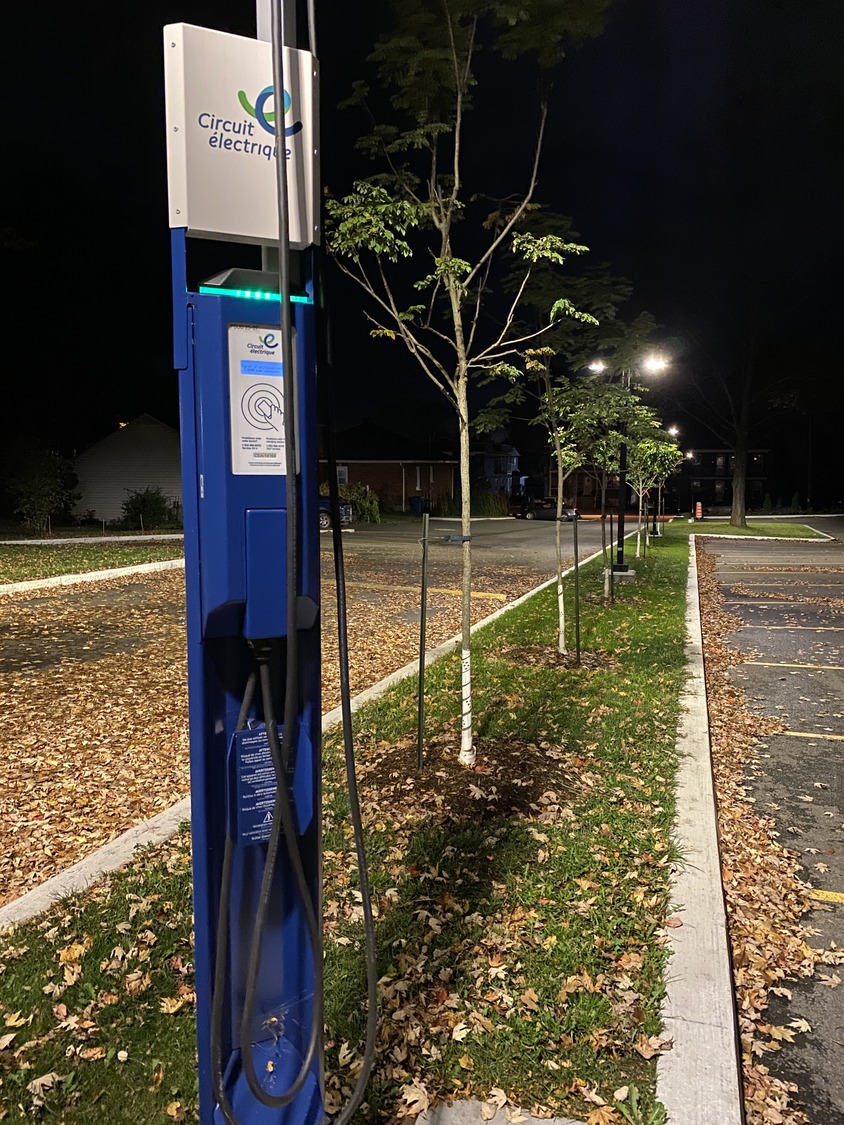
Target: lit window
342	474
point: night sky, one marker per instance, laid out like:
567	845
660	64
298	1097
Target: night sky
698	148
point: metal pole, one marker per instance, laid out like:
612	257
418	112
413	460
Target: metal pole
576	593
656	508
423	613
612	568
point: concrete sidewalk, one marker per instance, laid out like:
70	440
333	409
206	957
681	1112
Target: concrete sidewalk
790	598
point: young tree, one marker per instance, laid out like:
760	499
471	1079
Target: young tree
42	486
653	456
421	244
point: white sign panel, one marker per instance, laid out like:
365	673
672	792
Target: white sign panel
221	147
256	400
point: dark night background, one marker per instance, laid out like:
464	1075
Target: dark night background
697	147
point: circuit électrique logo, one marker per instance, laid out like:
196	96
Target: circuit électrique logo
243	136
265	118
269	341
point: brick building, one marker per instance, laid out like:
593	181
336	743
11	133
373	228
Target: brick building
401	472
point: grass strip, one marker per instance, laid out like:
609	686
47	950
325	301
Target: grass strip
521	906
20	564
762	528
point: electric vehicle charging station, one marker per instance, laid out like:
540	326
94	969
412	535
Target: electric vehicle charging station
245	351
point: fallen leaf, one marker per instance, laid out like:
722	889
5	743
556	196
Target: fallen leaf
603	1115
415	1098
171	1004
530	1000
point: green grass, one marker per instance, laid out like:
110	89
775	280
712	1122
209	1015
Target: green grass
480	910
18	564
784	530
78	1031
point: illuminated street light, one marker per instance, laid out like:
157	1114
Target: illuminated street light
597	366
690	456
655	364
673	430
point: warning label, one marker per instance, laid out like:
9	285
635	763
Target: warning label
253	788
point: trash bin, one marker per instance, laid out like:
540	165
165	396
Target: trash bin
417	505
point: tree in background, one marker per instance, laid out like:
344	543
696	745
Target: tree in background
653	456
421	242
42	484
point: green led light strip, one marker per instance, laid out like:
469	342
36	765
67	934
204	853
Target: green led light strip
251	294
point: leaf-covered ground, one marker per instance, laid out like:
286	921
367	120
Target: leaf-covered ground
93	700
766	897
521	907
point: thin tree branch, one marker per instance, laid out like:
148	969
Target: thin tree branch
522	207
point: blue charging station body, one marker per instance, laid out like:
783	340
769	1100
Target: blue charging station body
232	403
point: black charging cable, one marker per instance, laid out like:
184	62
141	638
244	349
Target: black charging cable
223	940
284	816
324	357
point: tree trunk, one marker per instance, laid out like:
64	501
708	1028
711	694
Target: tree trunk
738	515
467	748
558	541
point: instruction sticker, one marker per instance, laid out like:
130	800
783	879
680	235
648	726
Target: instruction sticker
256	400
252	787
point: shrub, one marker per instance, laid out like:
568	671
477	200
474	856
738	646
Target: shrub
484	503
767	506
365	504
148	508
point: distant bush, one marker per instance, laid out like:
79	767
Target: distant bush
366	507
150	508
484	504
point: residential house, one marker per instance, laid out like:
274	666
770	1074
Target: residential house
143	453
404	474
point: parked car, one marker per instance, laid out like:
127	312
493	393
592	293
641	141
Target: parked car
546	509
325	513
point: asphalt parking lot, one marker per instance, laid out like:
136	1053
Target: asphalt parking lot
790	598
495	543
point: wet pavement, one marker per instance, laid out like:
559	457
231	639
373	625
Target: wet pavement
790	597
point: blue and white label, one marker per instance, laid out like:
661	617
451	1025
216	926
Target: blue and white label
256	400
260	367
252	787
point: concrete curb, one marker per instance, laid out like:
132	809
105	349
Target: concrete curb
698	1080
469	1111
118	852
90	576
103	861
79	540
818	536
